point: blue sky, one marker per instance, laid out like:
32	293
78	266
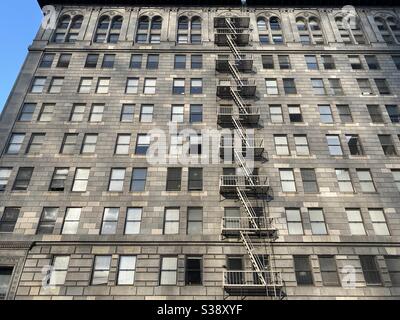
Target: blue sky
18	26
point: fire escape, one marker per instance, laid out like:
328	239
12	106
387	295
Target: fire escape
255	231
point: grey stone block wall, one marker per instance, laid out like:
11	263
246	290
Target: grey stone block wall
151	244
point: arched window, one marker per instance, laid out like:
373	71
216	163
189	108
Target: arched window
68	29
189	31
350	31
108	30
389	29
310	31
149	30
270	30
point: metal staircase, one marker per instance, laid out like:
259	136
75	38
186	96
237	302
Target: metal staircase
262	279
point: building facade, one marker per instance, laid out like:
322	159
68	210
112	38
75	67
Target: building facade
307	208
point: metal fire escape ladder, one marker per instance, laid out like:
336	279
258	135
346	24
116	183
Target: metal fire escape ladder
255	260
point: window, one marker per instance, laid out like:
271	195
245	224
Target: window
372	62
394	113
150	85
136	61
142	144
196	86
317	221
171	221
325	113
138	182
91	61
295	113
305	39
176	146
393	267
133	220
46	113
195	144
103	85
197	61
123	144
23	179
366	181
27	112
379	222
4	176
309	178
264	39
301	144
9	219
132	86
69	143
35	143
38	84
329	272
56	85
375	113
355	220
180	61
383	87
312	63
344	180
5	279
354	144
108	61
58	180
387	145
287	180
396	178
71	221
174	177
152	61
47	60
96	114
318	86
15	143
355	62
302	268
272	86
146	113
64	60
126	270
195	221
344	113
81	180
328	62
195	179
59	270
281	145
396	60
47	221
89	143
196	113
284	62
267	61
117	178
110	221
85	85
177	113
370	270
276	113
294	222
336	87
127	112
101	270
193	271
289	86
335	149
169	270
108	30
78	113
178	86
365	87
